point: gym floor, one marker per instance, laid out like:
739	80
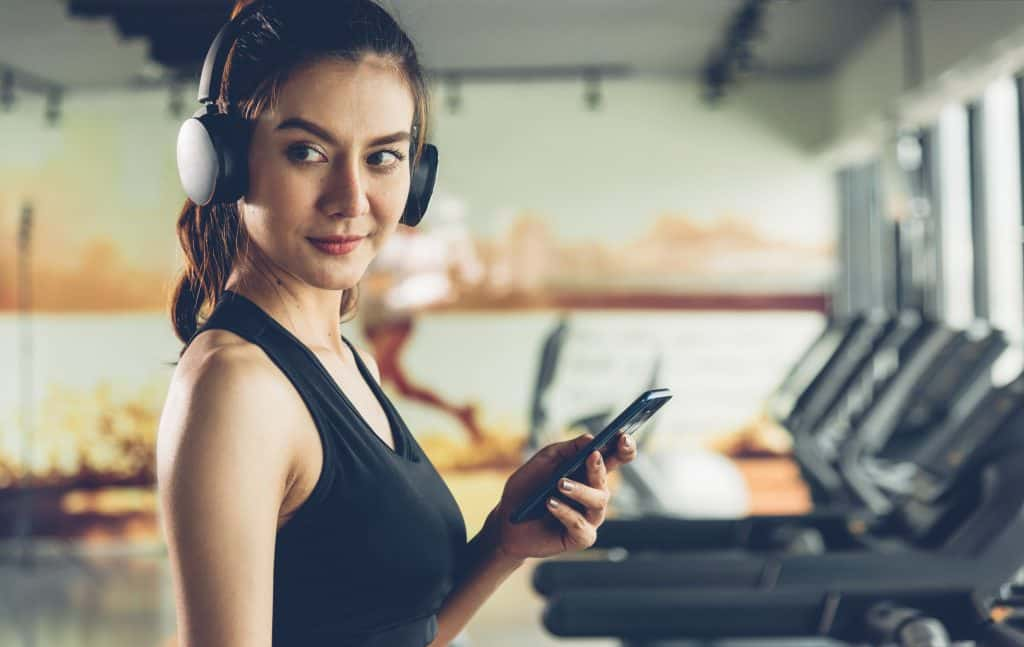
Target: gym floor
121	595
118	592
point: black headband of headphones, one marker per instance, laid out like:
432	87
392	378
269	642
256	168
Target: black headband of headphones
217	56
211	78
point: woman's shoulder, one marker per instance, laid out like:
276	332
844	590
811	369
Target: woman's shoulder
218	354
226	386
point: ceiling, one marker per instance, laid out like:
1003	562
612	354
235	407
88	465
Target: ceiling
94	45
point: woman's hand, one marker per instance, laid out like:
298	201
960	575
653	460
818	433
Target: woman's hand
564	529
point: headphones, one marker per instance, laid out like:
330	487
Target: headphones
213	146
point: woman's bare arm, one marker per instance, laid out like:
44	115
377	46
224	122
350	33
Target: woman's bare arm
488	569
223	469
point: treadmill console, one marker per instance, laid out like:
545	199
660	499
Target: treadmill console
999	409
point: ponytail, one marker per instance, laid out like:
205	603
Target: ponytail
211	238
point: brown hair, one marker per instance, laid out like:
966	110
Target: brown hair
274	41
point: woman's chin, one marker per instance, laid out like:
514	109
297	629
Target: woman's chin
340	281
335	274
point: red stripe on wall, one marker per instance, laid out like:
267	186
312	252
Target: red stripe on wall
648	301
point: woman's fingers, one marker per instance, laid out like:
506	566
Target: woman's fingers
625	452
594	497
597	475
581	528
591	498
579	533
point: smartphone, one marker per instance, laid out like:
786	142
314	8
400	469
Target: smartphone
632	418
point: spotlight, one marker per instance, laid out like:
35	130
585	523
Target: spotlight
592	90
53	112
716	77
453	93
7	90
175	100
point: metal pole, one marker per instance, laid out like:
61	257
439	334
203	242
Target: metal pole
23	519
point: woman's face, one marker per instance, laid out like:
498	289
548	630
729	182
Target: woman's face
331	159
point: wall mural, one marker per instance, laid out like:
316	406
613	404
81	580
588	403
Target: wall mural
459	313
102	346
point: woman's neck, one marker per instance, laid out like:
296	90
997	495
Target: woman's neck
311	314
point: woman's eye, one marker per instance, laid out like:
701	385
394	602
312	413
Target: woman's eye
304	153
386	158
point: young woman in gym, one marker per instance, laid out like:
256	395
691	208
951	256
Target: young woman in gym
297	507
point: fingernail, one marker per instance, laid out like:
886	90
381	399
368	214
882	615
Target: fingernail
597	461
628	442
567	485
552	503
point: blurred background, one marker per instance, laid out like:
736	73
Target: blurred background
700	184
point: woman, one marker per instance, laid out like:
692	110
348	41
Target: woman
297	507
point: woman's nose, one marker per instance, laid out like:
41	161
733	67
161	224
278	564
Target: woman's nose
345	190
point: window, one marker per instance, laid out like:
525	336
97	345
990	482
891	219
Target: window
998	175
953	211
865	276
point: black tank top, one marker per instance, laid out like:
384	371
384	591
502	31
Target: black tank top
369	557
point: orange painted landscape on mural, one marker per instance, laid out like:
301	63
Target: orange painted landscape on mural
527	267
91	278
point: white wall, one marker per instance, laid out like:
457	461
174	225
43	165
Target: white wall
654	147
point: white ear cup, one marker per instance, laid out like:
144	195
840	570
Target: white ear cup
198	163
213	158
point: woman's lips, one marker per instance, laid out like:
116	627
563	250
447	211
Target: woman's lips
337	245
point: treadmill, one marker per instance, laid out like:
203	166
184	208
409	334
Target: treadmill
812	366
882	615
870	462
966	512
814	444
850	361
946	363
950	596
968	504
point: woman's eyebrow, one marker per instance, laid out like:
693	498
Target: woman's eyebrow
400	136
298	123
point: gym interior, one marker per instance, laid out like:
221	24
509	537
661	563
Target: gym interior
804	217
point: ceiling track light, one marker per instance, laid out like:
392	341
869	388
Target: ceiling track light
736	55
453	93
452	80
27	82
592	96
54	98
7	98
175	99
